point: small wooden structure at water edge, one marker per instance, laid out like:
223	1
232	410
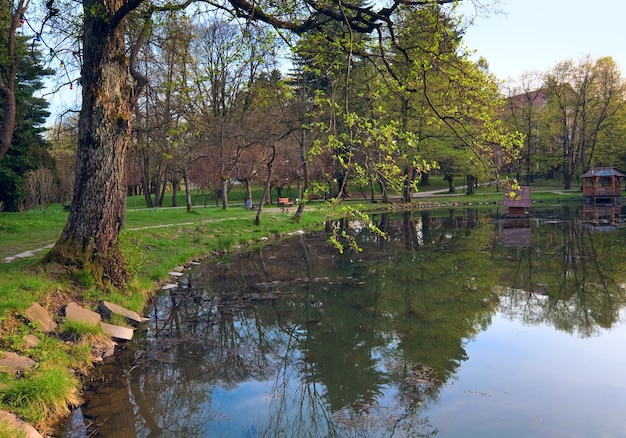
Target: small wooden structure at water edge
602	185
518	201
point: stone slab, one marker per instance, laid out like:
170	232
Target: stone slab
101	348
13	363
31	341
25	429
107	309
40	317
117	331
74	312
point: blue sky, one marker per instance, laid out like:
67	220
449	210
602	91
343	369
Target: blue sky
537	34
531	35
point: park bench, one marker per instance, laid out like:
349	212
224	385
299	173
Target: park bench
284	203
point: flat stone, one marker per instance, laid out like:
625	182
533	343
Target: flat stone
13	363
56	269
101	348
40	317
74	312
169	286
31	341
175	274
107	309
117	331
25	429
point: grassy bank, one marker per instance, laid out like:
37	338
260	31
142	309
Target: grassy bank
154	241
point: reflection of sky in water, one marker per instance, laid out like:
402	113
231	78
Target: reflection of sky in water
519	381
534	381
247	406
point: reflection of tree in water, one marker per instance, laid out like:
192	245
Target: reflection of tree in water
569	278
358	344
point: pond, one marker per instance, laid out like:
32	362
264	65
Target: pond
459	323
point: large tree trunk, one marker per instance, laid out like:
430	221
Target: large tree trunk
89	240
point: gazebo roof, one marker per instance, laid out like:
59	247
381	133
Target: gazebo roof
602	171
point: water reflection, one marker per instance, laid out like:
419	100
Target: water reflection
293	339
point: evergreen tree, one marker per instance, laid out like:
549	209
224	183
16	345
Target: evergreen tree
28	150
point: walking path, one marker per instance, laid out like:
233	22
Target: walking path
25	254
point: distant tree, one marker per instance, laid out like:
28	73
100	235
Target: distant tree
63	136
584	100
41	188
524	111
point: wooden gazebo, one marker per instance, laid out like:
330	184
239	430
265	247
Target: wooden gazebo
602	185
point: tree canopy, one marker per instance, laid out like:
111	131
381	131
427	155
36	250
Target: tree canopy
409	48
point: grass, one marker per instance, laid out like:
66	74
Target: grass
154	242
75	330
47	393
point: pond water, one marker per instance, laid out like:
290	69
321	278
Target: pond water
460	323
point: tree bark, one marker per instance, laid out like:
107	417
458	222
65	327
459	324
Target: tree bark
174	182
7	89
450	179
471	184
224	189
266	188
89	240
410	173
8	121
187	191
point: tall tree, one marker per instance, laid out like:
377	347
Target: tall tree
524	109
24	116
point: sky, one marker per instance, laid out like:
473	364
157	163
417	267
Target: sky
530	35
535	35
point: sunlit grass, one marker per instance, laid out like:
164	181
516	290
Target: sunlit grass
8	431
48	393
20	286
74	330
